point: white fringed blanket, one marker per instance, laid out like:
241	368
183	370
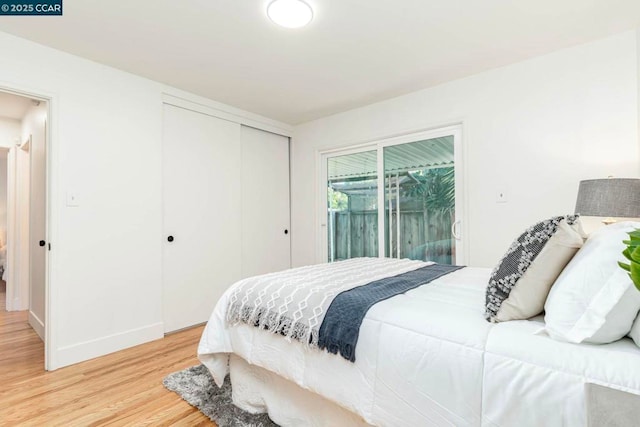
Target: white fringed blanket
294	302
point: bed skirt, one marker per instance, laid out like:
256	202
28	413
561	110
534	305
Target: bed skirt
257	390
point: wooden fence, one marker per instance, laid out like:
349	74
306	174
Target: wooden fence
424	235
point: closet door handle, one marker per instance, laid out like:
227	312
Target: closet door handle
41	243
170	238
286	231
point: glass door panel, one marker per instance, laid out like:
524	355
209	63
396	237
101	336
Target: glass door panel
419	188
352	205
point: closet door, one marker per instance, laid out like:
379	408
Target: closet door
266	243
202	214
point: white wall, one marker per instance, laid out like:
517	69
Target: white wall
104	268
9	135
19	245
535	128
3	203
106	148
638	70
9	132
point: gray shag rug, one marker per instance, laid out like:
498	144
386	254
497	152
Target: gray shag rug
196	386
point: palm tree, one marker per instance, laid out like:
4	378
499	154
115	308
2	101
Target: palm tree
436	188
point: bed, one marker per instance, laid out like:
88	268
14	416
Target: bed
426	357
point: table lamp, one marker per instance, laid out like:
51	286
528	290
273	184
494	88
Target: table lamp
610	200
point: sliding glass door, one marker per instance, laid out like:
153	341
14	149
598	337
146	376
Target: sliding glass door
352	205
420	205
397	198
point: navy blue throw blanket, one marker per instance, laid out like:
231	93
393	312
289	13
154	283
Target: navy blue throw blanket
341	325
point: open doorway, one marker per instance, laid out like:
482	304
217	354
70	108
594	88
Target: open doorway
23	134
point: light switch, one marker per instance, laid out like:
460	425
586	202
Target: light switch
73	199
501	196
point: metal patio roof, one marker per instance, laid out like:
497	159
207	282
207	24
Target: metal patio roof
430	153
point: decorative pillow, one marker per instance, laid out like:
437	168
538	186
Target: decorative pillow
594	300
520	283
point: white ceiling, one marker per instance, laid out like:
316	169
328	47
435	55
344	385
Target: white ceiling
355	52
13	106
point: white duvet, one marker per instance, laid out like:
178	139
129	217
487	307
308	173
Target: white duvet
428	358
419	355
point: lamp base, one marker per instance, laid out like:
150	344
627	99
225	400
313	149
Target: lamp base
592	223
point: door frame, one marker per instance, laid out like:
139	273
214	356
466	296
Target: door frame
379	145
50	215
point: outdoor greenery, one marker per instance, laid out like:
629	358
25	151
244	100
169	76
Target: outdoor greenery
632	253
337	200
427	211
436	187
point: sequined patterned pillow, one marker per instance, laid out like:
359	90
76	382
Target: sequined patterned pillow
519	284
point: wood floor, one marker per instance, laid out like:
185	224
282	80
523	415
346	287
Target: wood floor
121	389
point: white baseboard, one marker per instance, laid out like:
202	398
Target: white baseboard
36	324
75	353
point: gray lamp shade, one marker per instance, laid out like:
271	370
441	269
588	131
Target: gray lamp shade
612	197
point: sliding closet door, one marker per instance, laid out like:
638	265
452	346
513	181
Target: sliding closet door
266	243
202	221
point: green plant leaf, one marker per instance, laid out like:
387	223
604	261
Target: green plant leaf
636	282
624	266
635	234
632	253
635	272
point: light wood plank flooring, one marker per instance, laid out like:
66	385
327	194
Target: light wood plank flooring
120	389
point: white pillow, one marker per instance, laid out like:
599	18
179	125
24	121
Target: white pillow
635	331
594	300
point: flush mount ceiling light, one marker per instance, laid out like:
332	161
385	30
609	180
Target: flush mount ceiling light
290	13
